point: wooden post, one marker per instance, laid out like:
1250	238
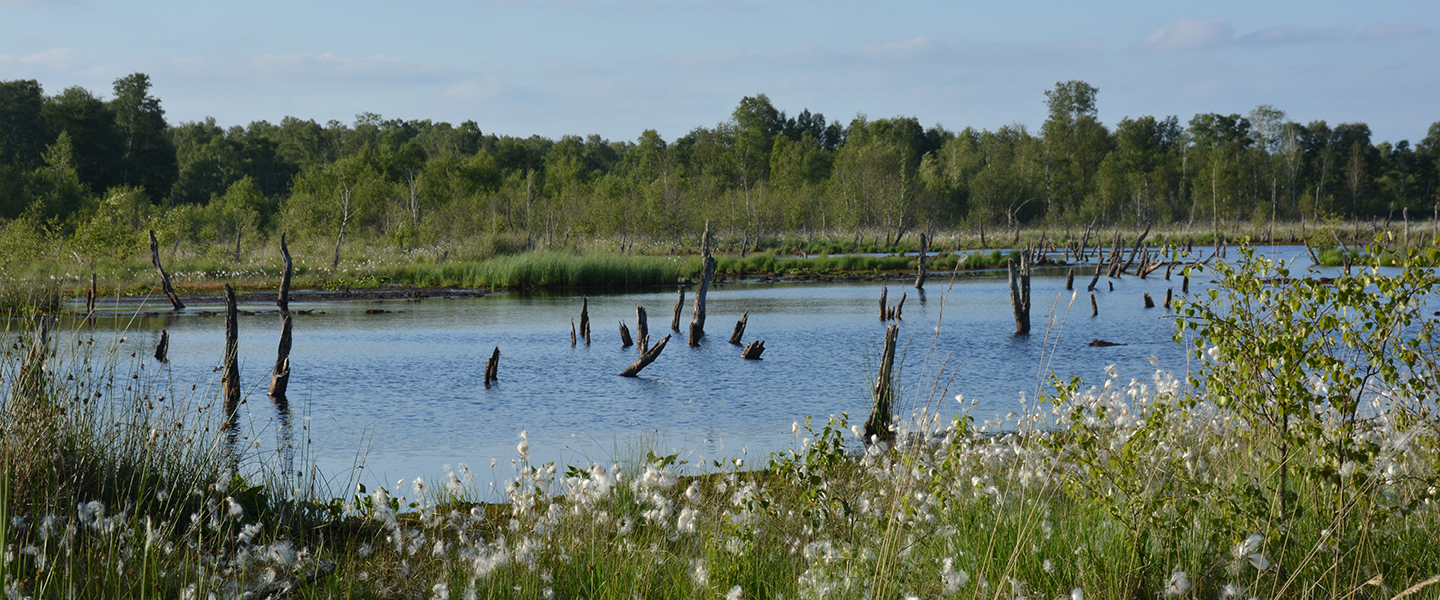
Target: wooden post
884	306
492	368
707	269
283	299
280	378
753	350
230	377
739	331
1020	294
162	349
877	427
164	278
679	304
1094	308
1149	302
642	329
645	359
585	319
924	247
1070	279
625	341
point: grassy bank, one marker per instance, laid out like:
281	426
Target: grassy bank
1290	463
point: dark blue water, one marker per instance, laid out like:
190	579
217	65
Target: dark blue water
390	396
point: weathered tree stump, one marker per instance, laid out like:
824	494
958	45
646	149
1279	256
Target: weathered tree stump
1168	291
230	376
492	368
1020	293
91	295
894	313
739	331
1112	286
1070	279
1149	302
1185	284
920	277
283	298
877	427
162	349
1169	267
707	270
1098	267
884	305
585	319
280	377
679	305
753	350
642	329
164	278
572	332
645	359
625	341
1094	308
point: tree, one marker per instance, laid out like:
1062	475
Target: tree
22	129
1075	144
148	156
93	134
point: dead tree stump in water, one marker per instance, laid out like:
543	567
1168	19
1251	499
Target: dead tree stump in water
90	296
1149	302
585	319
645	359
884	306
1094	308
1169	267
753	350
642	329
679	305
1070	279
625	341
230	377
162	349
283	298
707	270
894	313
572	332
739	331
492	368
877	427
280	377
1096	279
164	278
1020	293
1185	284
920	277
1168	291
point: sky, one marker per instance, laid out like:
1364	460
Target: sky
618	67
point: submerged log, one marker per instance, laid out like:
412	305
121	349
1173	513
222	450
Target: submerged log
739	331
280	377
492	368
1149	302
877	427
283	299
645	359
1020	294
230	377
162	349
679	305
920	277
585	319
753	350
164	278
1104	344
707	270
642	329
625	341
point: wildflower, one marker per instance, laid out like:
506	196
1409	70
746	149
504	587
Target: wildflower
249	532
441	591
699	573
735	593
686	522
1259	561
692	493
1231	592
1213	353
1077	594
951	578
626	524
233	510
1179	584
524	446
1048	566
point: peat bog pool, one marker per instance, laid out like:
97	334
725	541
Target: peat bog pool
378	397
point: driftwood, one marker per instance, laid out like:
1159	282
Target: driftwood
283	299
1094	308
625	341
164	278
1070	279
585	319
645	359
753	350
230	377
920	277
679	305
280	378
739	331
1104	344
877	427
162	349
1020	293
707	270
642	329
1149	302
492	368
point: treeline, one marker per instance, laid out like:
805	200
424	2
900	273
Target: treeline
96	171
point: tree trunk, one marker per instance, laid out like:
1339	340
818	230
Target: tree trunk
625	341
739	331
920	277
280	377
164	278
642	329
230	378
162	349
753	350
707	268
492	368
283	299
1020	294
679	306
877	427
585	319
645	359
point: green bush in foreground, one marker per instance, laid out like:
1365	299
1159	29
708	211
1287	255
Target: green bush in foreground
1296	463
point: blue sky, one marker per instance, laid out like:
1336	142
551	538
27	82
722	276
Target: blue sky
617	67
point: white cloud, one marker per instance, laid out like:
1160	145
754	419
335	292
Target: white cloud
1380	31
1291	35
1188	34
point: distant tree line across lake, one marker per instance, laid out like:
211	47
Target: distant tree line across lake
79	166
